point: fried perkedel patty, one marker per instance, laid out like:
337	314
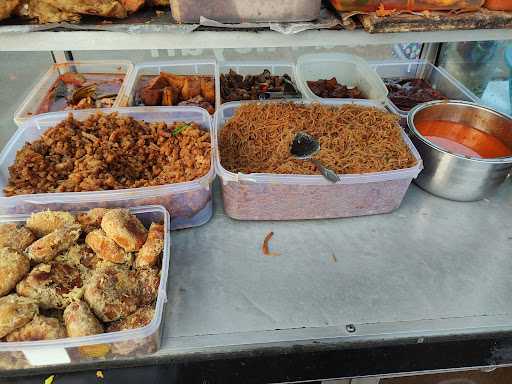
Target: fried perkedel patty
40	328
18	238
14	266
15	312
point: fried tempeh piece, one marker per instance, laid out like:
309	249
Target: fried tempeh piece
15	312
125	229
39	328
149	254
48	247
80	321
91	219
14	266
18	238
45	222
106	248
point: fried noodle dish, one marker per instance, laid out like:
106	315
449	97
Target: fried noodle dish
354	139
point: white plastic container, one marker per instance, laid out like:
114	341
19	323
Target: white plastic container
31	104
261	196
179	67
349	70
189	203
245	68
438	78
123	344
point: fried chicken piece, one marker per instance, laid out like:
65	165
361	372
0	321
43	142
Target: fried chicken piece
112	292
170	96
106	248
39	328
177	81
80	321
149	254
191	87
48	247
91	219
149	279
14	266
125	229
208	89
7	8
18	238
15	312
81	257
45	222
140	318
52	285
44	12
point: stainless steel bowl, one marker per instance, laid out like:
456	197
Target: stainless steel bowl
457	177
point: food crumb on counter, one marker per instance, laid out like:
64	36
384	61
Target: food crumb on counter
99	375
49	379
265	247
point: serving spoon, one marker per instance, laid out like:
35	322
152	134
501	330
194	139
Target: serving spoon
304	147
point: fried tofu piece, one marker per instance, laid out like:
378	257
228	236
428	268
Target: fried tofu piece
39	328
112	292
80	321
91	219
48	247
125	229
15	312
149	254
149	279
53	285
45	222
14	266
208	89
140	318
191	87
18	238
7	8
106	248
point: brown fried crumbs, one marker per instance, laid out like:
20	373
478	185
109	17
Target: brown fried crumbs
110	152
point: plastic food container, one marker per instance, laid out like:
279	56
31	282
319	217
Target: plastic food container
256	67
238	11
181	67
440	80
124	344
190	203
499	5
36	96
299	197
409	5
348	69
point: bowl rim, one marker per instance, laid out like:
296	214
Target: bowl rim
414	131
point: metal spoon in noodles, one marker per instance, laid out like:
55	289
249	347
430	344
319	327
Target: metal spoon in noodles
304	147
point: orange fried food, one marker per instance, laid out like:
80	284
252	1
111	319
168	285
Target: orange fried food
138	319
160	3
176	80
91	219
15	312
42	11
132	5
149	279
170	96
45	222
112	292
208	89
48	247
125	229
18	238
191	87
14	266
82	257
149	254
105	8
52	285
7	8
39	328
80	321
106	248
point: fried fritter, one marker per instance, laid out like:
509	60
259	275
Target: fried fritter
7	8
140	318
125	229
106	248
45	222
48	247
40	328
43	12
149	254
15	312
150	282
105	8
91	219
18	238
14	266
82	257
112	292
80	321
52	285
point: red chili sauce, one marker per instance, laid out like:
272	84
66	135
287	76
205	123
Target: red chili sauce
462	139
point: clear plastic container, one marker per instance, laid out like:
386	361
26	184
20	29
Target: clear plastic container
124	344
409	5
300	197
349	70
32	102
437	77
245	68
239	11
178	67
190	203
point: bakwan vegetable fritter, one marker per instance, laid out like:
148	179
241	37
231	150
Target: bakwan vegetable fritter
110	152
